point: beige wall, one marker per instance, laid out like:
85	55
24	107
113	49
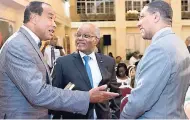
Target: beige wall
125	34
186	32
110	48
13	11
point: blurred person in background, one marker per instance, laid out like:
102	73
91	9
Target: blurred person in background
134	58
51	51
110	54
131	73
122	75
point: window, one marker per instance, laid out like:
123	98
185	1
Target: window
81	7
95	7
90	7
109	7
100	7
184	5
135	4
185	9
128	5
134	7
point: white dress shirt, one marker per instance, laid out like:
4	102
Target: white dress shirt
132	60
35	37
47	55
95	70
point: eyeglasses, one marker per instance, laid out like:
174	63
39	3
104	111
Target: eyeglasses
85	36
143	16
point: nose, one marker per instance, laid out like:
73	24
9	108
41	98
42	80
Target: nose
138	24
54	24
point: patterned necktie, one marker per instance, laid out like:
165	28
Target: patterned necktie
52	56
88	70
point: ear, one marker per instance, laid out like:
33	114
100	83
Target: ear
33	18
157	17
96	41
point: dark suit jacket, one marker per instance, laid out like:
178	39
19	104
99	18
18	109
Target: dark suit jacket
70	68
188	47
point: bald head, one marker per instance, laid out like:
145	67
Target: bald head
92	28
87	37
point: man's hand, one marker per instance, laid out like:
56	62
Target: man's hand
99	94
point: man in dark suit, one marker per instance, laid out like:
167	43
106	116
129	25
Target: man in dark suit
74	68
25	82
187	42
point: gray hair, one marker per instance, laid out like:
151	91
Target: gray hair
97	29
97	32
163	8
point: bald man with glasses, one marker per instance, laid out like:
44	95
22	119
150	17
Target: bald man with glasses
89	70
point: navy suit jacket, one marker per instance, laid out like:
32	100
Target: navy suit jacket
70	68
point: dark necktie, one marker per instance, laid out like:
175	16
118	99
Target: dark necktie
88	70
52	56
40	44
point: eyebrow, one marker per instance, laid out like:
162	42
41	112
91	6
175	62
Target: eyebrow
50	14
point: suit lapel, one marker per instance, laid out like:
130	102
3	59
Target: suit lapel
163	34
36	48
80	66
101	65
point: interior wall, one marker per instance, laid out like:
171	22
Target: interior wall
185	32
134	40
110	48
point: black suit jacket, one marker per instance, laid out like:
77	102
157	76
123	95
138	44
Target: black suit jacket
70	68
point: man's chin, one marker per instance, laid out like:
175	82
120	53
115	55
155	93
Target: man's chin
80	49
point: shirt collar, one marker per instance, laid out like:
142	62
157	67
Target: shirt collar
35	37
92	55
160	32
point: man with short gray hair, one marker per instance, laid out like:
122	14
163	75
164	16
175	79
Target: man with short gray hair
90	70
163	73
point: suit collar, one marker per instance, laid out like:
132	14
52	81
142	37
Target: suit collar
80	66
35	37
92	55
101	64
161	33
36	48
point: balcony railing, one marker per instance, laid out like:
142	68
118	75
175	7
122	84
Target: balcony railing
97	17
132	15
185	15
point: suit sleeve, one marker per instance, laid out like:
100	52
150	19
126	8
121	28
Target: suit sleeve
27	76
155	70
113	83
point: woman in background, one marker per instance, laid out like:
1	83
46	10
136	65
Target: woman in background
131	74
122	74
